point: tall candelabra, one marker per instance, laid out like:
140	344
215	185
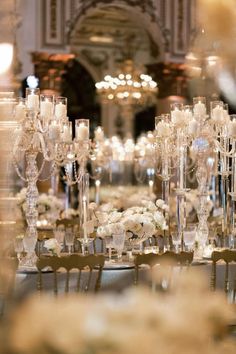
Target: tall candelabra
165	156
43	128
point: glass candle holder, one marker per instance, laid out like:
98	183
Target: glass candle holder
217	112
176	112
199	106
54	131
67	132
188	112
60	107
46	106
32	98
99	134
82	129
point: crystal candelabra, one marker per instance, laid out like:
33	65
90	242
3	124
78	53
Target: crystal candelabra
29	142
45	129
165	155
181	120
232	136
220	121
203	149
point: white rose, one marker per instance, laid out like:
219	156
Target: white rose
160	203
148	229
102	217
159	218
115	216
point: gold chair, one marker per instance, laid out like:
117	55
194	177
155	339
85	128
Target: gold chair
80	263
167	258
228	256
8	268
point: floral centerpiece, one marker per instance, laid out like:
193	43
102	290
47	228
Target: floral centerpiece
139	223
49	207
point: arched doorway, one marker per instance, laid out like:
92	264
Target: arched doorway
79	87
103	36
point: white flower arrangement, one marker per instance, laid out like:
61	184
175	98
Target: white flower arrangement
139	222
53	246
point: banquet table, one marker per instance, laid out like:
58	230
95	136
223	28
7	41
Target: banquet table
115	277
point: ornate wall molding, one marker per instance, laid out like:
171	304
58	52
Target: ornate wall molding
53	23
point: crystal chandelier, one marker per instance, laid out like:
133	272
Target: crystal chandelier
130	86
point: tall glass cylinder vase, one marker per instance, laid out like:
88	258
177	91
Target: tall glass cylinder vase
165	175
224	187
232	233
83	211
181	185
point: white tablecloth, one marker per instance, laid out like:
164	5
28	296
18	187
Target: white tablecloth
112	279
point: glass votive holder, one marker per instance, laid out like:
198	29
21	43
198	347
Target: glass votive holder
70	152
54	130
46	105
60	107
99	134
217	112
176	109
199	106
82	129
32	98
66	134
232	126
188	111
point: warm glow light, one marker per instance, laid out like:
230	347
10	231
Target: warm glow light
101	39
129	86
6	55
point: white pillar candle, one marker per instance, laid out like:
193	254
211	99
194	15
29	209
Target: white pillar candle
188	114
163	129
199	109
176	115
54	131
33	101
232	128
46	108
99	134
192	127
66	134
60	110
20	111
217	115
82	132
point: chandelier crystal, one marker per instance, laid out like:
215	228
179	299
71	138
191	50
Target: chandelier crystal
130	86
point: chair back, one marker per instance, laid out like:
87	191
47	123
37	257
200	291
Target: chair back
85	266
168	258
8	268
227	256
